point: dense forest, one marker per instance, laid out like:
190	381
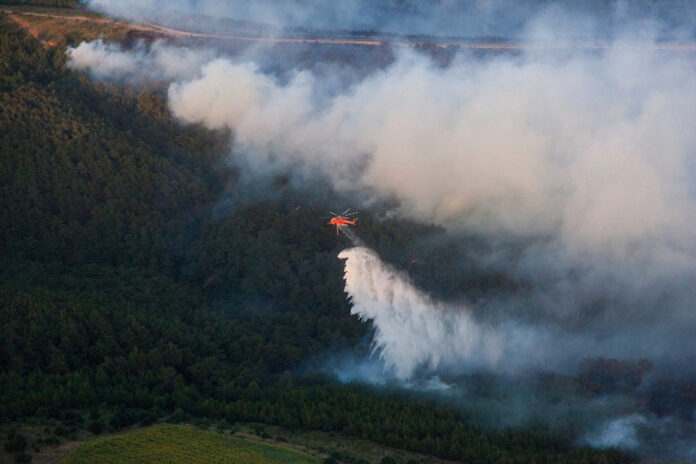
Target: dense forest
128	298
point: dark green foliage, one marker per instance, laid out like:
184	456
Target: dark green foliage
23	458
670	396
611	375
95	426
124	302
16	443
23	62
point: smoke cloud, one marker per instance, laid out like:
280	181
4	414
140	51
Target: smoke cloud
585	158
577	165
594	149
108	61
589	154
618	433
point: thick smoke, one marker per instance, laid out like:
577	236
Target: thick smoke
586	157
158	62
577	165
594	149
589	153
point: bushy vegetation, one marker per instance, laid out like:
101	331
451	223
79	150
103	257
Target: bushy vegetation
126	301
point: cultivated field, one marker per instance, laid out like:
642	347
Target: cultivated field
180	444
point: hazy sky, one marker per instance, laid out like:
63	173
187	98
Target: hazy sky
506	18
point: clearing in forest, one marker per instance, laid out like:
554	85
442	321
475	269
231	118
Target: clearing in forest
174	444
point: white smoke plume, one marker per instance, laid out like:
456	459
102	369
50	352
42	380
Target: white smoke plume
620	432
158	62
595	150
591	152
582	158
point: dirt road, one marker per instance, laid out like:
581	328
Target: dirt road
367	41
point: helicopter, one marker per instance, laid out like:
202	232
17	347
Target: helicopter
342	220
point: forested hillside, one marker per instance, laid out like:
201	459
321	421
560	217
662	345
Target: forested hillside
125	300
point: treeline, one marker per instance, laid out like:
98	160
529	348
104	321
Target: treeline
125	300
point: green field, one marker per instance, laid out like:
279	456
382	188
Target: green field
174	444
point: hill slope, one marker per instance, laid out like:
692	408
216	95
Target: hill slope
126	300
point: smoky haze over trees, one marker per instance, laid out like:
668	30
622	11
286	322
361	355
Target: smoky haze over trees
125	303
467	18
145	279
570	165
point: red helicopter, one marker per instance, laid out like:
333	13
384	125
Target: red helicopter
342	220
